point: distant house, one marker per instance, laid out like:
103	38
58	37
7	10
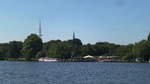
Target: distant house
108	58
47	59
104	58
139	60
88	57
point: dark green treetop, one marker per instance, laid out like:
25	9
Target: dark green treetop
14	49
149	37
31	46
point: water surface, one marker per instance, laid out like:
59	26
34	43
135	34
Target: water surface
73	73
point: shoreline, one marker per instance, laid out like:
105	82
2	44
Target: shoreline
73	61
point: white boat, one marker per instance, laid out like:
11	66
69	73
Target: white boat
46	59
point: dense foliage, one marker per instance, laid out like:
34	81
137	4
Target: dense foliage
33	48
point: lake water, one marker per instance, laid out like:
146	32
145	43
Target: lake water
74	73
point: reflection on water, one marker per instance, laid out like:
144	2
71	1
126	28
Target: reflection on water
74	73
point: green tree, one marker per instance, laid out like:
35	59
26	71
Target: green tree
47	46
55	50
4	48
102	48
75	47
142	50
14	49
125	52
60	50
149	37
31	46
63	49
88	50
41	54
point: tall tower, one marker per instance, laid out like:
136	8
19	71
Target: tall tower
74	35
40	29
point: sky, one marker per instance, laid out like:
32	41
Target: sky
115	21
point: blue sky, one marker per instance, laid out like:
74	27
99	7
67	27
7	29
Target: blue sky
117	21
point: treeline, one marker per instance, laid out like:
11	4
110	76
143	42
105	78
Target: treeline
33	48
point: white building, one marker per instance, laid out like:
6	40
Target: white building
139	59
108	58
88	56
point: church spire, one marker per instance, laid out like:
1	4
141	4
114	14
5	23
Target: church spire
73	35
40	29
